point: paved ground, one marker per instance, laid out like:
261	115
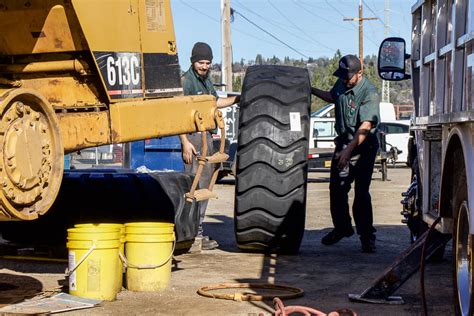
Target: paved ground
327	274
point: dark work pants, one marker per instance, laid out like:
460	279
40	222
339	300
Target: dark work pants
361	175
195	139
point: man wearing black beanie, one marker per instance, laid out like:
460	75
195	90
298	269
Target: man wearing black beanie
196	81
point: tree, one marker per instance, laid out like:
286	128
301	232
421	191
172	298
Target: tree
237	83
321	71
274	60
323	79
370	71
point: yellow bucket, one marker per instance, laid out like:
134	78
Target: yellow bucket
149	248
121	228
93	262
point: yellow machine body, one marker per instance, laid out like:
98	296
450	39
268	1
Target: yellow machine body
83	73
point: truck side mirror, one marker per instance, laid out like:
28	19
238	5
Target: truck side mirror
391	60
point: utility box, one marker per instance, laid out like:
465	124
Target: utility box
163	154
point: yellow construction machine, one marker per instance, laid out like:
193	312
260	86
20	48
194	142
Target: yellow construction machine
84	73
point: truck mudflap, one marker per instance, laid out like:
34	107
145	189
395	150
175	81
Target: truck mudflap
111	196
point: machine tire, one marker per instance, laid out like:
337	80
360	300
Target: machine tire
271	167
463	284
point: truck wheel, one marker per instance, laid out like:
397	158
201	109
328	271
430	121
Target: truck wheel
271	170
462	253
31	156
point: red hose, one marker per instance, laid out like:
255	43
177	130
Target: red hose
282	310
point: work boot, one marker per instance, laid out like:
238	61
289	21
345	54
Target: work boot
196	245
207	243
368	244
335	236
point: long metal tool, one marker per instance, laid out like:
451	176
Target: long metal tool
380	292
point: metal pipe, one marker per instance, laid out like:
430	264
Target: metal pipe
11	83
46	66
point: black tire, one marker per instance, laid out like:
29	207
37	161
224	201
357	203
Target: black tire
110	196
271	172
463	281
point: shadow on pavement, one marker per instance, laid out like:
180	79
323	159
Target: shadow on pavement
328	274
16	288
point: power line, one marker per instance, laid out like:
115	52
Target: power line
268	33
390	27
282	28
380	20
361	21
320	17
373	12
340	13
217	21
315	6
275	23
297	27
201	12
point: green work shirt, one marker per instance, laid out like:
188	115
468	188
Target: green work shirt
193	84
354	106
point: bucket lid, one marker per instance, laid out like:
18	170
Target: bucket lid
93	233
149	224
149	228
93	229
121	227
150	238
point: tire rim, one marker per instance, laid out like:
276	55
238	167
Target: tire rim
31	164
464	259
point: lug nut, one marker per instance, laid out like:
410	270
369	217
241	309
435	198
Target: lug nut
20	108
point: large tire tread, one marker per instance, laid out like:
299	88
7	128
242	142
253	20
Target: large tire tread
264	129
276	108
460	195
263	175
271	173
261	198
272	155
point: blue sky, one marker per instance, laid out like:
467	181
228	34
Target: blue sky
312	28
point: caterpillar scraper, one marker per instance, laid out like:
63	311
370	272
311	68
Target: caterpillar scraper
83	73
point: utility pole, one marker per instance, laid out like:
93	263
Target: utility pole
226	71
385	83
361	19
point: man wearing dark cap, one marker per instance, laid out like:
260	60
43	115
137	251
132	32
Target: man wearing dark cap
196	81
357	115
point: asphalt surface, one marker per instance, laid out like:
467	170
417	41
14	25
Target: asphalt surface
327	274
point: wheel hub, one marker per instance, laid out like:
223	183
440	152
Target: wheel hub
26	164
